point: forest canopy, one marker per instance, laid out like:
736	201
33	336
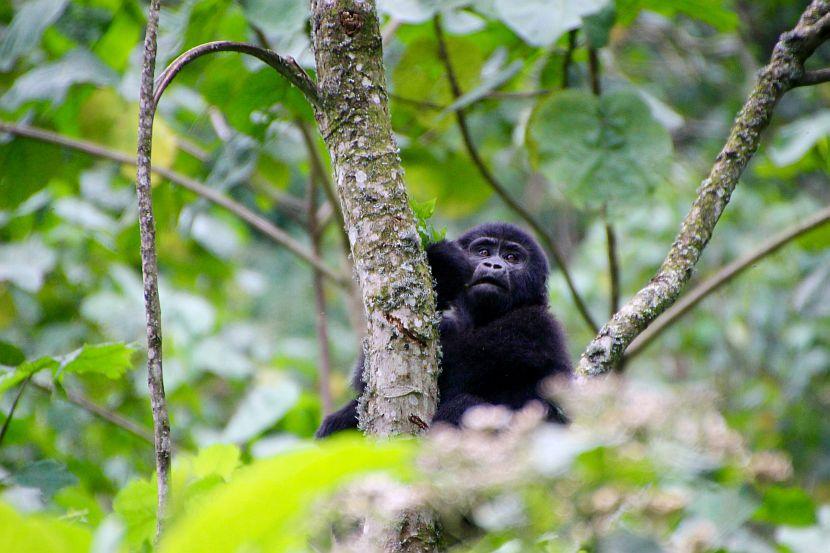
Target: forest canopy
591	124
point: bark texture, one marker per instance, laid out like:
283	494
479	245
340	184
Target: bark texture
149	268
785	70
396	285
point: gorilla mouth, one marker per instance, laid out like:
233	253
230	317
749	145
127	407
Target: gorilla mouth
490	280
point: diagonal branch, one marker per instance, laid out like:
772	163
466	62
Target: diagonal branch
106	415
499	188
813	77
722	277
786	67
273	232
284	65
149	269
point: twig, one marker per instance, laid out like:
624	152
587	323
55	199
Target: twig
273	232
102	413
13	408
785	68
315	231
813	77
722	277
389	30
613	265
497	186
593	71
284	65
149	269
568	59
319	171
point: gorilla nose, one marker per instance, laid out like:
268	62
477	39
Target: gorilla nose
493	265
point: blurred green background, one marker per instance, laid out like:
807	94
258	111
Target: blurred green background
240	345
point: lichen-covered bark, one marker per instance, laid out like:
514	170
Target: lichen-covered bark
782	73
395	281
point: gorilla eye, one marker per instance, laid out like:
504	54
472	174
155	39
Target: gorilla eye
512	258
483	252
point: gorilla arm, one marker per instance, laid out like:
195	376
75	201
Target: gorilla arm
451	270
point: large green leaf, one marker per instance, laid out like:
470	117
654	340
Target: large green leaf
264	508
47	475
26	28
417	11
39	534
600	150
261	407
51	81
541	22
717	13
794	140
26	264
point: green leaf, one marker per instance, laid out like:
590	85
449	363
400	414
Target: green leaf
265	507
11	378
40	534
417	11
123	33
135	504
786	506
51	81
600	150
795	140
26	264
110	360
597	26
216	460
487	85
260	409
10	355
25	30
47	475
717	13
541	22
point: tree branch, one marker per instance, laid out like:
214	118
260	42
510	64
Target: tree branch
273	232
813	77
783	71
501	191
315	232
722	277
319	172
613	266
149	269
102	413
284	65
13	408
568	59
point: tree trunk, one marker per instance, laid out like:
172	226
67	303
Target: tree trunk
390	265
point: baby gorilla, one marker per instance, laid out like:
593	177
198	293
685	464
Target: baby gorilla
499	340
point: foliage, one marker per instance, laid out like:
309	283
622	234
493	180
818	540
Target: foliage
659	464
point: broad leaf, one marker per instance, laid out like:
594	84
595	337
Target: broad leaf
265	507
26	28
110	360
541	22
47	475
600	150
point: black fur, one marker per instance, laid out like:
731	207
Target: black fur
499	339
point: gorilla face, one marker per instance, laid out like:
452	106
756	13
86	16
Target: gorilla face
509	270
